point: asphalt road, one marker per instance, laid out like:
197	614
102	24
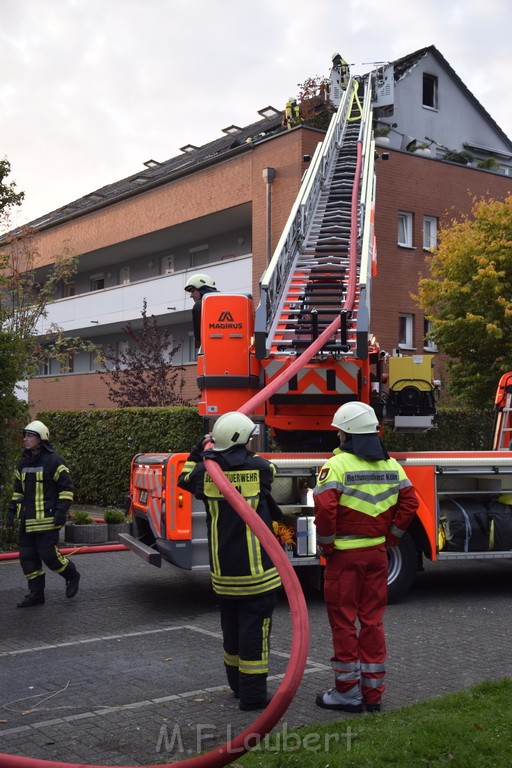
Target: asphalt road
130	671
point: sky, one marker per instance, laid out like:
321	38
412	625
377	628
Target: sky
91	89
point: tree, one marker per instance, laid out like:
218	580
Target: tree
142	374
468	299
8	195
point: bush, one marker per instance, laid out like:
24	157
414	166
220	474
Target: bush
81	518
114	516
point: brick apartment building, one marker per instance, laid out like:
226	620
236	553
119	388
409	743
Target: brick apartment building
214	209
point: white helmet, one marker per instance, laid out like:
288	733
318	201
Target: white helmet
231	429
39	429
199	281
356	418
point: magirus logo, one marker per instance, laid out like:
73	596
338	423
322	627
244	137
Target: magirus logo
225	321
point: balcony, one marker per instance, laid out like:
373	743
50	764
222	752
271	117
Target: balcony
165	295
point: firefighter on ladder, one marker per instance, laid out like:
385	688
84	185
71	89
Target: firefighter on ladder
363	502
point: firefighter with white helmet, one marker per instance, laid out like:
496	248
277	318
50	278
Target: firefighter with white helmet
243	576
363	502
198	285
42	495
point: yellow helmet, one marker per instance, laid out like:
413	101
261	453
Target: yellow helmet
199	281
233	428
39	429
356	418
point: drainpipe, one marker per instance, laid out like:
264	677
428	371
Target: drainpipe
269	175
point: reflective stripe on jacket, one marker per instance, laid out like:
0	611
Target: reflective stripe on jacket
357	501
239	565
42	487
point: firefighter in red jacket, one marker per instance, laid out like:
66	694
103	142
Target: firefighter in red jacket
243	576
42	496
363	502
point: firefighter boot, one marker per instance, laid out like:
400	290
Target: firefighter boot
232	676
33	598
72	581
35	595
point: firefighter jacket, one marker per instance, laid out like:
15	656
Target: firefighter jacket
239	565
196	312
359	502
43	491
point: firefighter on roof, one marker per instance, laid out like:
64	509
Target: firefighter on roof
43	492
197	286
363	502
243	576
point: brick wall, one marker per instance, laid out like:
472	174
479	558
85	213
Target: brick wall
425	188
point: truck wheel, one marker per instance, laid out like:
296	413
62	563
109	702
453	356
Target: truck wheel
402	566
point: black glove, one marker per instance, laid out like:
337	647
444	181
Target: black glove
60	518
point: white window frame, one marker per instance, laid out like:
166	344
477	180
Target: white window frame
405	330
93	358
428	344
435	91
429	232
192	351
405	229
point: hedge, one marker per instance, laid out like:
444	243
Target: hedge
99	445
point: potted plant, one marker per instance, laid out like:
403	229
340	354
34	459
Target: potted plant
82	529
381	134
117	523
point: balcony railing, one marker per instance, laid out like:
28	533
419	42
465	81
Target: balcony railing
164	295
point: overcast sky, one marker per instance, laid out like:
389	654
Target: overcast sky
90	89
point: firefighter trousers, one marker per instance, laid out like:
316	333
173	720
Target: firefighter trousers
39	548
246	623
355	589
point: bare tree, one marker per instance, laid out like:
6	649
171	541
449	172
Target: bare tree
143	374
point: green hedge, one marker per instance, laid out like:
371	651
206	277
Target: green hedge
99	445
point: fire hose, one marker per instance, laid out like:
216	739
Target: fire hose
264	723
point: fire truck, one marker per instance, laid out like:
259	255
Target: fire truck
305	350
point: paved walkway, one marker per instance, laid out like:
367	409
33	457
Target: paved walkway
130	671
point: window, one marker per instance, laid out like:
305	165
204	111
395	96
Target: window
192	351
68	289
68	365
405	229
405	331
124	275
45	367
428	342
429	232
97	281
167	265
96	358
199	255
429	91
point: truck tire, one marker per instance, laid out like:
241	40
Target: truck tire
402	567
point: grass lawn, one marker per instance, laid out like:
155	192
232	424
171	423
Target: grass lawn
471	729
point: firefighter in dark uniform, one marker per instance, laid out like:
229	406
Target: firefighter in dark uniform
243	576
198	285
42	495
363	502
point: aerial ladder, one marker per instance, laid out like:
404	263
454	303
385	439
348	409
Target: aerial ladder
319	278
